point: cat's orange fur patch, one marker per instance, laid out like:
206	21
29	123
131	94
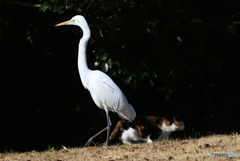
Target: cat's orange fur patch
153	119
167	123
178	123
139	129
149	136
159	126
141	124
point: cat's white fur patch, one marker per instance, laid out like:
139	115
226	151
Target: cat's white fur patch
149	141
166	130
132	135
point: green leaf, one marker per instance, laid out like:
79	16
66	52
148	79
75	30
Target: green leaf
58	8
79	10
197	21
167	94
96	63
103	56
134	84
63	2
236	23
142	76
179	39
232	29
100	32
167	97
110	63
151	83
116	63
146	74
128	80
154	73
163	88
104	67
44	6
119	71
114	73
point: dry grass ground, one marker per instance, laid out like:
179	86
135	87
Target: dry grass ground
190	149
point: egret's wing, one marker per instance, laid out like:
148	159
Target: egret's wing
106	93
118	102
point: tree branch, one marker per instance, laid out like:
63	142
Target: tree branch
23	4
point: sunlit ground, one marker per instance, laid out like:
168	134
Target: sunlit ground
188	149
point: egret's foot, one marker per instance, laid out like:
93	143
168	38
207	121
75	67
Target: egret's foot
105	143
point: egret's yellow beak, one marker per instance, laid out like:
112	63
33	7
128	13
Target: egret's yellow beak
64	23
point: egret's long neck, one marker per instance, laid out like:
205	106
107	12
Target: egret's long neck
82	58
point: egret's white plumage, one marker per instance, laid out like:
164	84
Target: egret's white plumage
105	93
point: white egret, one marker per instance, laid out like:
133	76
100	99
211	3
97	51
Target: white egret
105	93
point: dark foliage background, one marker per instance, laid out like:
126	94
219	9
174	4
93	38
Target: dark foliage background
170	58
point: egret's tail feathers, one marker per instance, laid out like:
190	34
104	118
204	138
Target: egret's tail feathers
129	114
124	117
133	113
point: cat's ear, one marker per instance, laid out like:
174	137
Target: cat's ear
174	119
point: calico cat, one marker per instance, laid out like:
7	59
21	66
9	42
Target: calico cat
143	128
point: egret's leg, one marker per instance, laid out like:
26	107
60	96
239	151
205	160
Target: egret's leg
108	127
109	124
90	140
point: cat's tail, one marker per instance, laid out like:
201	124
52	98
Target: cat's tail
118	128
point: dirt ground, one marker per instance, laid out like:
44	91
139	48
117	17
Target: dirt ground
189	149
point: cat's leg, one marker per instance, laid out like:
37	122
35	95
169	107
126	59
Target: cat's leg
149	141
129	135
164	136
126	142
161	137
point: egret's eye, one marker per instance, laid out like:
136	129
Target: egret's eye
72	20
